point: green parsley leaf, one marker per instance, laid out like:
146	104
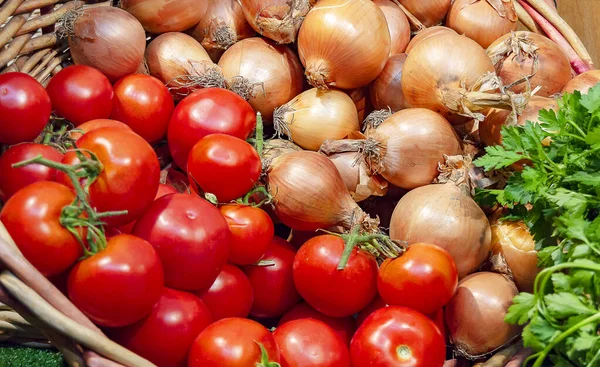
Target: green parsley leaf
562	305
521	310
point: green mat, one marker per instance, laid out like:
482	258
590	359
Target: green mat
17	356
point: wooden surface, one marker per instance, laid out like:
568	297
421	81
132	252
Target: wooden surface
584	18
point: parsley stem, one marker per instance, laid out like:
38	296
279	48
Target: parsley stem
583	154
572	123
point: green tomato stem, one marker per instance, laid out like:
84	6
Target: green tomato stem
260	140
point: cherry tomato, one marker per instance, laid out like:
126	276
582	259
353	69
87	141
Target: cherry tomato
24	108
86	127
375	305
424	278
310	343
398	336
118	285
273	285
129	180
191	238
145	104
343	326
81	93
232	342
207	111
252	231
14	179
166	335
32	218
336	293
230	295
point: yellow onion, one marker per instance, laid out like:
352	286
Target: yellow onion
264	73
429	12
315	116
343	43
355	173
160	16
386	90
427	33
359	96
482	20
398	25
583	82
278	20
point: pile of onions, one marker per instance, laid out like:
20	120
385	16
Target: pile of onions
522	54
355	49
475	315
160	16
386	90
398	25
264	73
106	38
356	177
315	116
482	20
427	33
278	20
359	96
583	82
429	12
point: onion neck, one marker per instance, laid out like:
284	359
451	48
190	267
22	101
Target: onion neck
369	149
318	74
456	171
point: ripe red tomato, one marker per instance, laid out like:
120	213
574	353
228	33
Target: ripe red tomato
32	217
230	295
164	190
80	93
24	108
207	111
424	278
118	285
14	179
252	231
273	285
129	180
145	104
86	127
343	326
166	335
310	343
398	336
339	293
191	237
232	342
375	305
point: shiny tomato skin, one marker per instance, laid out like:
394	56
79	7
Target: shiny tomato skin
191	237
400	337
32	218
343	326
207	111
375	305
166	335
310	343
230	295
252	231
339	293
24	108
14	179
424	278
164	190
80	93
144	104
273	285
118	285
232	342
88	126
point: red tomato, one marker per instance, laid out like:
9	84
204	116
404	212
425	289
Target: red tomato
336	293
375	305
145	104
398	336
166	335
343	326
230	295
81	93
310	343
207	111
86	127
165	190
273	285
191	238
118	285
252	231
24	108
129	180
424	278
14	179
232	342
32	217
439	319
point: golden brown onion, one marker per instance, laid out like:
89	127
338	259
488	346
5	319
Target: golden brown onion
427	33
583	82
160	16
278	20
386	90
356	177
359	96
429	12
398	25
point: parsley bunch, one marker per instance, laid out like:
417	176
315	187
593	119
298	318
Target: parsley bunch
557	195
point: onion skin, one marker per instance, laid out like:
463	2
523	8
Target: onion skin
583	82
398	25
273	72
278	20
475	315
427	33
359	96
356	177
160	16
108	39
355	50
386	90
429	12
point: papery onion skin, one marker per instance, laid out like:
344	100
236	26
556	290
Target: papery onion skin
160	16
427	33
475	315
272	72
359	96
447	216
108	39
278	20
386	90
356	176
583	82
398	25
344	162
429	12
355	49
